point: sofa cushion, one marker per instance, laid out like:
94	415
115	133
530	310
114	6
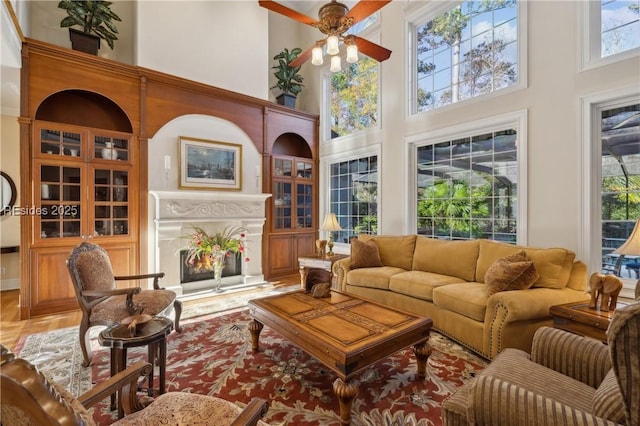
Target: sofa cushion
607	401
553	264
514	272
419	284
446	257
468	299
372	277
396	251
364	254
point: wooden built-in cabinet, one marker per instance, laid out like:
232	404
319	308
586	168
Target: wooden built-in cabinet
86	127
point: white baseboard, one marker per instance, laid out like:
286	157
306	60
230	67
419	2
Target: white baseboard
10	284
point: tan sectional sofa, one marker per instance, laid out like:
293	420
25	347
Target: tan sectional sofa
444	280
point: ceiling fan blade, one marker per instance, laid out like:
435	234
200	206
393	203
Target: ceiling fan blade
364	8
302	58
372	50
283	10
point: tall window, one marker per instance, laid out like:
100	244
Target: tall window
354	196
620	185
619	26
467	187
354	98
468	51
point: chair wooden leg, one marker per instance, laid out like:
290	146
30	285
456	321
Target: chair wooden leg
85	345
177	307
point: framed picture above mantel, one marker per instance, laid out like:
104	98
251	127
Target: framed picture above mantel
206	164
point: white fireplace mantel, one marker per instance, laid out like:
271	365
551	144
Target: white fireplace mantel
174	212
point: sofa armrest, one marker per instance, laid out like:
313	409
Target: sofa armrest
340	269
491	402
581	358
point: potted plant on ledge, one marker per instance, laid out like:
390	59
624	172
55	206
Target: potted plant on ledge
96	20
289	81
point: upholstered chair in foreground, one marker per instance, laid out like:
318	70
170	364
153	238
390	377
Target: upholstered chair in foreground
103	303
567	380
29	398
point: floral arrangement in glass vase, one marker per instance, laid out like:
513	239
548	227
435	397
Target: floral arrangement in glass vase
208	252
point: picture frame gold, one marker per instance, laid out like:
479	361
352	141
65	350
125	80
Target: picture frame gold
207	164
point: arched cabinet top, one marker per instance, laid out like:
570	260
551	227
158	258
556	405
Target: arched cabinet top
83	108
292	144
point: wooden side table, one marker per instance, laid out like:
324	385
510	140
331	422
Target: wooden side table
580	319
316	262
152	334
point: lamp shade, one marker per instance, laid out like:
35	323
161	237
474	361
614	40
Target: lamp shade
332	45
352	53
316	56
336	64
331	223
631	247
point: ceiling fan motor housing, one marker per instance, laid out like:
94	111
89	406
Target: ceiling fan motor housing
333	19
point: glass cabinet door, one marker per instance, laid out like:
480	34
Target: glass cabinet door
282	211
54	141
60	205
303	170
304	205
111	197
282	167
110	147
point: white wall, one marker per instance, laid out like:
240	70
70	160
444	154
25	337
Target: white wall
221	43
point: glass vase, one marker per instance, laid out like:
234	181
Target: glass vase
218	266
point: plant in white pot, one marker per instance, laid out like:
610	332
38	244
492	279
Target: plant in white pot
96	20
288	79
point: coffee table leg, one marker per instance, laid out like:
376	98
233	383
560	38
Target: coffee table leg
422	350
255	327
345	392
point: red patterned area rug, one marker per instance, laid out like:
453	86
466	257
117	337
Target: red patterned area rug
213	356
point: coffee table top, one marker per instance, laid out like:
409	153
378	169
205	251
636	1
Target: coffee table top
344	332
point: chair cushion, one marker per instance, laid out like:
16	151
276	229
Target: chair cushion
607	401
185	409
114	308
364	254
94	270
514	272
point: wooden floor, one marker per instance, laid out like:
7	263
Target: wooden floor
11	328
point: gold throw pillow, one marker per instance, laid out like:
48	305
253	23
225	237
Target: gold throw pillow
514	272
364	255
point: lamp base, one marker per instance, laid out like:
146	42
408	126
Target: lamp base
330	246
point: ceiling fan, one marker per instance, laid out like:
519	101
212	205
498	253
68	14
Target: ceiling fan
334	19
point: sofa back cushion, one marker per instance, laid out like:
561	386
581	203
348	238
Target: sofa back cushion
446	257
394	251
553	264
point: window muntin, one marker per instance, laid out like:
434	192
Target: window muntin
467	188
465	52
353	98
354	196
620	182
619	26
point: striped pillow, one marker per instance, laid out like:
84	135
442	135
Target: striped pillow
607	401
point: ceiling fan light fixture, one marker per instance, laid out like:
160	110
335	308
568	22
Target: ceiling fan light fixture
352	53
316	56
332	45
336	65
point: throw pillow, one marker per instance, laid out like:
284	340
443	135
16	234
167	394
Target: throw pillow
514	272
364	255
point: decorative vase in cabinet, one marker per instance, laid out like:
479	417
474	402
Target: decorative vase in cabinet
109	153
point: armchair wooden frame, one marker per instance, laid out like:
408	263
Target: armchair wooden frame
27	392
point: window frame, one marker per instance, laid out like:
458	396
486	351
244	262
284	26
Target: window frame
419	16
590	37
591	174
516	120
325	183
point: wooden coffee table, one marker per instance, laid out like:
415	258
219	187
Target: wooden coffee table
343	332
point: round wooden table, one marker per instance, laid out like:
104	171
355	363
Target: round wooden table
152	334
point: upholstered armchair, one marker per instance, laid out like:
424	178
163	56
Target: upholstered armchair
29	398
567	380
103	303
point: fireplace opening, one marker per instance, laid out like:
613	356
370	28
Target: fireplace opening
191	273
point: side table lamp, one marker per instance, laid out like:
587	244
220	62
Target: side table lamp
631	247
330	224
